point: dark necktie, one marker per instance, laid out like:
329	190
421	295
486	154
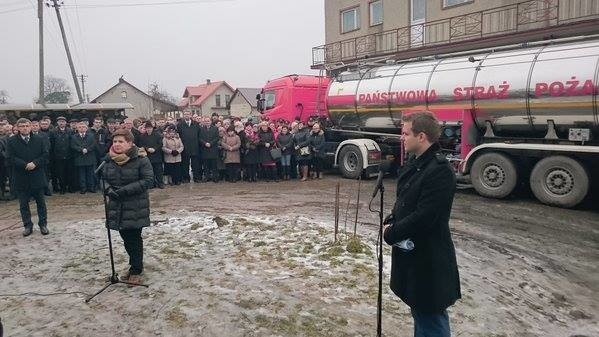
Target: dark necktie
27	139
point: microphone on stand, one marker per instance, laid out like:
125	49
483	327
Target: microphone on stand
383	168
104	161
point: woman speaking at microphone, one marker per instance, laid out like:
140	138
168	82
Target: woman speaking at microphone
128	174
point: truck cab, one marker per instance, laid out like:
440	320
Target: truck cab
294	96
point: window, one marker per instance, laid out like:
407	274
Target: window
227	99
376	12
269	100
451	3
418	11
350	20
217	100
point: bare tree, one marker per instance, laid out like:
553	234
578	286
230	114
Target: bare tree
56	90
158	93
4	97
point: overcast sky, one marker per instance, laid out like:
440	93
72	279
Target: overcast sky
245	42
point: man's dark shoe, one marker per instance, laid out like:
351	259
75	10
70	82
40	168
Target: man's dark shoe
81	192
27	231
44	230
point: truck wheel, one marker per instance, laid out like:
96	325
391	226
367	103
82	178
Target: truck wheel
559	181
494	175
351	162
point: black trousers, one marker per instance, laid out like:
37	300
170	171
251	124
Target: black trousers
158	174
174	170
3	177
232	171
24	197
73	176
293	169
317	164
60	175
210	171
250	171
87	180
134	246
195	167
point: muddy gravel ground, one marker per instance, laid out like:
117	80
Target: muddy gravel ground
260	260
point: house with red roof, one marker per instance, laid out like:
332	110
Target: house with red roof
207	98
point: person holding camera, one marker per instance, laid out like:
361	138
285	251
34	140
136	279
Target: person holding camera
172	146
424	271
128	173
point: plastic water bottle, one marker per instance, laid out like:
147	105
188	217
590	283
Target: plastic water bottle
405	245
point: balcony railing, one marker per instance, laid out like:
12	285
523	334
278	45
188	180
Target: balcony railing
504	20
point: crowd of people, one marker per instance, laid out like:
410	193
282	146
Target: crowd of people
191	149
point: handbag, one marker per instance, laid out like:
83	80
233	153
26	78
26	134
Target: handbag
304	151
276	154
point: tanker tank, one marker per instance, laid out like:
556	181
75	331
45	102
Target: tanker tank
518	91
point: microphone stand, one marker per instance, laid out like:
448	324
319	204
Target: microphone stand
114	277
379	189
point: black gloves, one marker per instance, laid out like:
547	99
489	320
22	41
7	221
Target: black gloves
175	152
114	194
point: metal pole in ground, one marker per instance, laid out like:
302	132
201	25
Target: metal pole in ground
358	205
337	210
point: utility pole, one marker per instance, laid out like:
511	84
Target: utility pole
83	86
66	47
40	16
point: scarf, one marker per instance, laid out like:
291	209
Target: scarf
119	158
252	136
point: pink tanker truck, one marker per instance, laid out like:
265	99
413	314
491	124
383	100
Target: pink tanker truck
510	116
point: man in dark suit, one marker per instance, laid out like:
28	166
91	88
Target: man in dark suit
27	155
424	272
83	147
190	136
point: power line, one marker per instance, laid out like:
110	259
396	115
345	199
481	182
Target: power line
180	2
83	48
75	45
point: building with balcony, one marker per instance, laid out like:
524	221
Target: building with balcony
377	31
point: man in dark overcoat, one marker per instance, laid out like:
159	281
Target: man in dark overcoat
83	147
209	142
189	131
60	154
27	155
424	272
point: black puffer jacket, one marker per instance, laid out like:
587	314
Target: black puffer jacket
132	210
